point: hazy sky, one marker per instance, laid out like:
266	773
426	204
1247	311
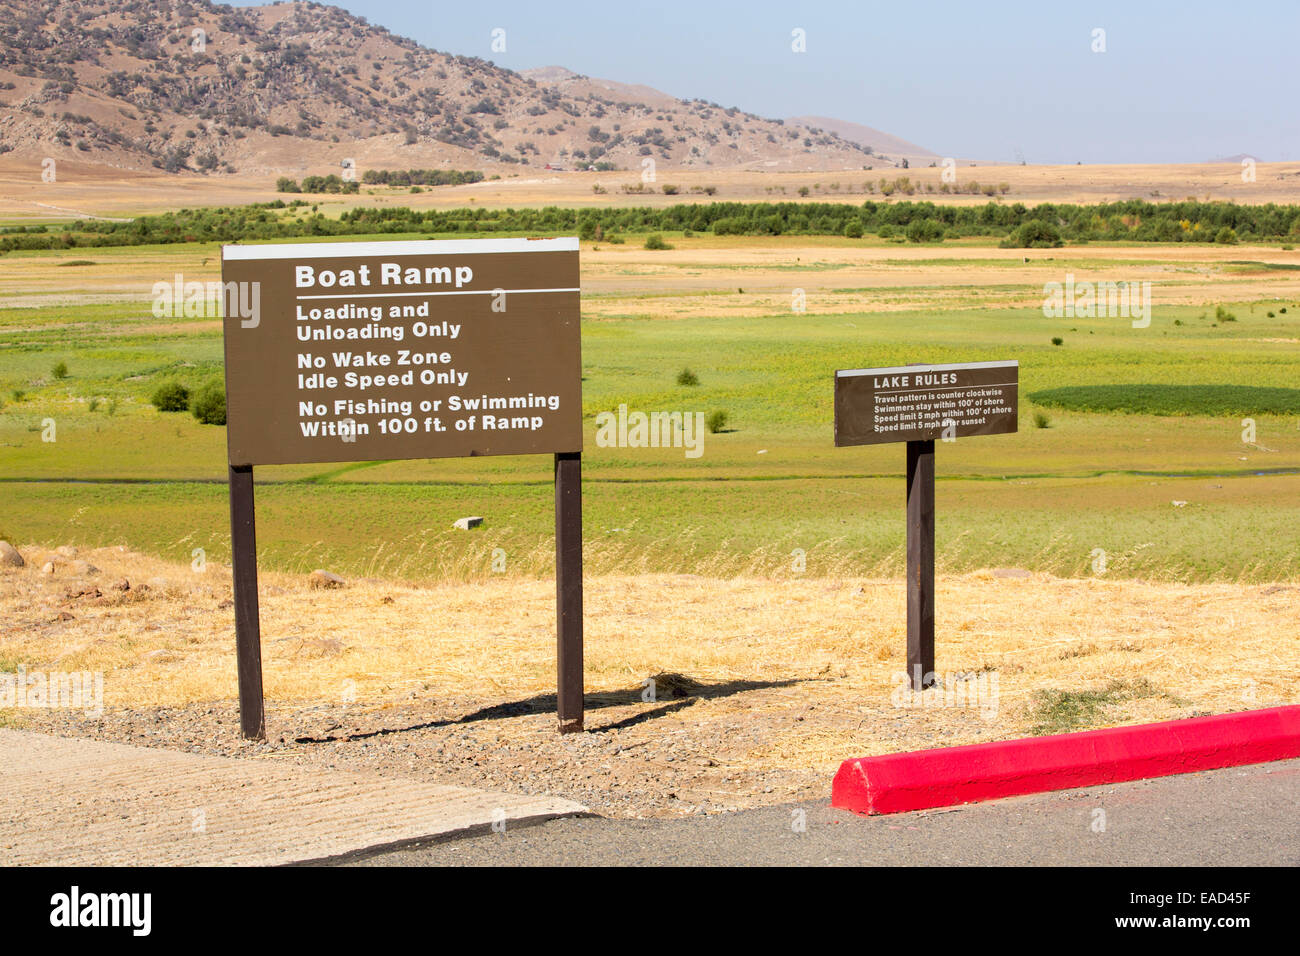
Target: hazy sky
1178	81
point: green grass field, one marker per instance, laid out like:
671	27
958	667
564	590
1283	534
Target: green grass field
1136	420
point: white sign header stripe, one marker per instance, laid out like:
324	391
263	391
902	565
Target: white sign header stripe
921	369
391	295
411	247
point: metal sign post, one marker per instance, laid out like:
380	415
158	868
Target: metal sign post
568	590
920	561
248	625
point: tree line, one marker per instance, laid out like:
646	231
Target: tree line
334	183
1014	224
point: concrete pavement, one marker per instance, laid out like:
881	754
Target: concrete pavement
67	801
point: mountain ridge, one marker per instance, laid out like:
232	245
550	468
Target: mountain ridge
196	86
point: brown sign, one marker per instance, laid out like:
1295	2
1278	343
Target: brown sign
925	402
364	351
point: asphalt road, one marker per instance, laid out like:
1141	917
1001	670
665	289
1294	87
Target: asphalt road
1240	816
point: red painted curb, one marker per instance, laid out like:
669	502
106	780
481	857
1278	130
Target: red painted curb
942	778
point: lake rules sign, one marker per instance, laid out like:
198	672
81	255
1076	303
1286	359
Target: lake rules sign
925	402
917	404
389	350
370	351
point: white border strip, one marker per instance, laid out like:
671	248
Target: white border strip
845	373
946	388
409	247
398	295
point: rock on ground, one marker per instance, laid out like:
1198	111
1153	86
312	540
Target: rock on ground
321	578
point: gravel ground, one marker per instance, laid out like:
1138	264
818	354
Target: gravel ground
621	767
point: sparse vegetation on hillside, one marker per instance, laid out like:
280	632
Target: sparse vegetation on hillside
182	85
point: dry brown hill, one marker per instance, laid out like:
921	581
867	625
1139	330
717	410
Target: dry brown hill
294	87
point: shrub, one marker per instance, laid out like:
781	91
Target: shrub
209	404
171	397
1034	234
687	377
60	370
656	241
1057	340
1041	420
853	229
1227	236
925	230
716	421
1223	315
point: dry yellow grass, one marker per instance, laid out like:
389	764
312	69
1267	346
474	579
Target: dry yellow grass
839	276
816	660
703	274
89	189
